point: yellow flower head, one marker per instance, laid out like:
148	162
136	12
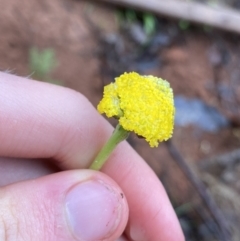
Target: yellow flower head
143	104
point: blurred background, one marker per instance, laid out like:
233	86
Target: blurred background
195	45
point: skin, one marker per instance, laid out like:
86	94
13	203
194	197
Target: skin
51	134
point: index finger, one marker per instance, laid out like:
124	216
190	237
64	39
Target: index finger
40	120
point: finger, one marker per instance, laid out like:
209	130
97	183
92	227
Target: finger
122	238
14	170
37	115
50	121
72	205
151	216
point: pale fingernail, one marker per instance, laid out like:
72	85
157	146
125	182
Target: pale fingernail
93	210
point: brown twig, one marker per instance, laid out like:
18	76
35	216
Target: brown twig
201	189
219	17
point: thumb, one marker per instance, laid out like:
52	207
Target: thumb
72	205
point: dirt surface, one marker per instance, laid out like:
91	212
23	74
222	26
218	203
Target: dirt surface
85	36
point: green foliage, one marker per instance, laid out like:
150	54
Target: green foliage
147	20
41	64
149	23
131	16
184	24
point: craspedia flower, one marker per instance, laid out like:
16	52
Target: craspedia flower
143	104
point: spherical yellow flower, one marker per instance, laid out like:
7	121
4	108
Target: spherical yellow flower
143	104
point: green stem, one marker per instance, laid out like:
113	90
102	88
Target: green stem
118	135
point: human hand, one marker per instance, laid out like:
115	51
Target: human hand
42	124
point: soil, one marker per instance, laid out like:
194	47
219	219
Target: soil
194	61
